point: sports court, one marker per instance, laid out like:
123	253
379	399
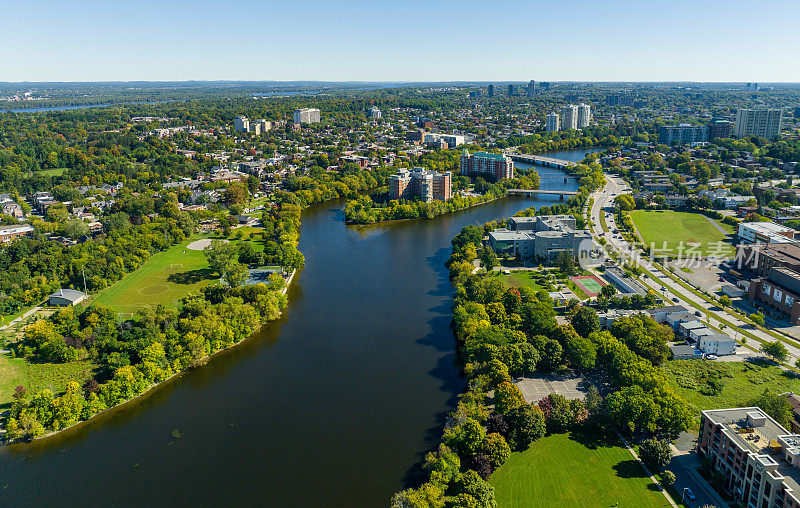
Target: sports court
590	284
535	389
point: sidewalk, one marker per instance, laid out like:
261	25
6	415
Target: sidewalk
20	318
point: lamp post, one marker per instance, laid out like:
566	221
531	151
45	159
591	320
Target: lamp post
683	495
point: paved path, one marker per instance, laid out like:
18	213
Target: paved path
684	465
646	471
716	225
20	318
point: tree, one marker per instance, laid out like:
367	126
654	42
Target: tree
507	397
472	491
488	258
725	301
235	274
655	453
526	425
566	263
608	290
757	318
625	202
667	478
774	405
775	350
74	228
219	254
496	449
585	321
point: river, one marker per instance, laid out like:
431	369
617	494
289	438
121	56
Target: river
332	405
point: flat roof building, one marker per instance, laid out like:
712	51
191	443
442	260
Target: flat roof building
306	115
65	298
763	122
765	232
542	237
496	164
424	184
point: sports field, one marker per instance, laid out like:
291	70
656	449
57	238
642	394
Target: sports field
575	470
680	231
164	279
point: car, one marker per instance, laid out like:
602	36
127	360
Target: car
675	300
722	279
711	357
690	494
698	313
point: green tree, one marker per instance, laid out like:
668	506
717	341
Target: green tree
757	318
585	321
655	453
774	405
496	449
488	258
566	263
725	301
667	478
526	425
219	255
775	350
507	397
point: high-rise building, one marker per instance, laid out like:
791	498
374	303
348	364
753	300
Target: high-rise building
306	115
766	123
797	112
498	165
374	113
491	90
584	115
569	117
531	88
425	184
719	129
553	122
620	100
512	90
241	124
683	134
475	93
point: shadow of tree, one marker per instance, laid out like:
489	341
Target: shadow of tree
594	438
629	469
191	277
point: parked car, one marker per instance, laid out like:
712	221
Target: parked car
698	313
690	494
711	357
675	300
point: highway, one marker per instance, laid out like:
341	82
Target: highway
603	204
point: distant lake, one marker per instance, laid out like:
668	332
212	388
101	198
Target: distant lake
83	106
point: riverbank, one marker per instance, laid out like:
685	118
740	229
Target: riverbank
351	223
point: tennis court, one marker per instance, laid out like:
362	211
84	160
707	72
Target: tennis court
590	284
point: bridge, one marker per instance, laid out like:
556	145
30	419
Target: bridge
541	160
531	192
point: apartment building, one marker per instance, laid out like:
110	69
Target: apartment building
306	115
531	88
779	292
569	117
243	124
584	115
481	163
763	122
420	183
374	113
683	133
757	457
553	122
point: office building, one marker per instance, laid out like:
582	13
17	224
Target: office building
755	457
584	115
491	90
779	292
374	113
719	129
765	232
542	237
306	115
569	117
553	122
766	123
760	258
424	184
682	134
532	88
450	140
482	163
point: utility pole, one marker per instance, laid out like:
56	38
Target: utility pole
84	281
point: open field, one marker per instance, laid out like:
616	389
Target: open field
164	279
681	229
51	172
714	385
521	278
574	470
38	376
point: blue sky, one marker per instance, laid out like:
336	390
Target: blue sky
401	40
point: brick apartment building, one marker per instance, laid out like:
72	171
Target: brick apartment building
760	258
481	163
779	292
755	455
426	185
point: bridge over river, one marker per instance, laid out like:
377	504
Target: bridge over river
532	192
541	160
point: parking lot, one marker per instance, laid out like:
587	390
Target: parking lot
536	388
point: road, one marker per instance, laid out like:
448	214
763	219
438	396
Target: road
603	204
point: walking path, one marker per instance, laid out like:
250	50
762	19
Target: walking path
716	225
20	318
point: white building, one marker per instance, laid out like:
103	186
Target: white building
241	124
553	124
762	122
584	115
765	232
569	117
717	344
306	115
374	113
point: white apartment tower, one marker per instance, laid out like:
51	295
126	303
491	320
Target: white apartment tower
375	113
552	122
241	124
569	117
763	122
306	115
584	115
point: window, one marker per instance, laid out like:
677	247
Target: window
789	301
777	294
766	289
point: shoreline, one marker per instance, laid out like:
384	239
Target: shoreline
424	218
152	388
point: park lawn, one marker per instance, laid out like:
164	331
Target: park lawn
574	470
681	228
522	278
51	172
164	279
38	376
740	381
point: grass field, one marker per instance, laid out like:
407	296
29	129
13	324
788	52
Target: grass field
51	172
681	228
714	385
38	376
164	279
522	278
574	470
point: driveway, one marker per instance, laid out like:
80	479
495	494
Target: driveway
684	465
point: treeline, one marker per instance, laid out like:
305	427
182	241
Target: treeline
506	333
129	359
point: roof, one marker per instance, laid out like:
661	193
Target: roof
785	278
671	308
68	294
487	155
